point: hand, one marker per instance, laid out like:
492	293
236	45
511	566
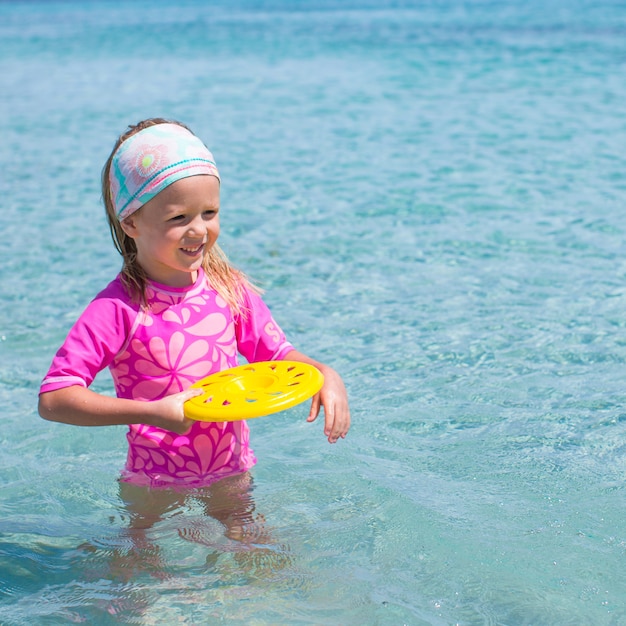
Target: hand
169	413
334	397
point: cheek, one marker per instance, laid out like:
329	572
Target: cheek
170	235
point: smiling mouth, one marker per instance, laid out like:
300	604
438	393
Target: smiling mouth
193	251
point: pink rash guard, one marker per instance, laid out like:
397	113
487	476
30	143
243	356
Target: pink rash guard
183	335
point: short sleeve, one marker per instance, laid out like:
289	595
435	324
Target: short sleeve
259	337
92	343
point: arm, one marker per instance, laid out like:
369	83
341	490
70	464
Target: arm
259	338
333	396
93	341
82	407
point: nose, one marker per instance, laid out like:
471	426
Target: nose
196	226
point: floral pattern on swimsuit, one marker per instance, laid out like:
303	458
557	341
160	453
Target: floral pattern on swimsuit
182	336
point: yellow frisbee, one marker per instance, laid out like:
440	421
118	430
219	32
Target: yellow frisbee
253	390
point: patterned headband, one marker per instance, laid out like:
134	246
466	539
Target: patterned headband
151	160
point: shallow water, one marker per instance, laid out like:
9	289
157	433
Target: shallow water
433	196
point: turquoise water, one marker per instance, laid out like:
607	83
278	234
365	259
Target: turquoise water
433	195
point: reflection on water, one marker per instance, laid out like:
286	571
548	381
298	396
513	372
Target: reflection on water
171	537
207	547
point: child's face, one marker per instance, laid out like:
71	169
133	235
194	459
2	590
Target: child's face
174	229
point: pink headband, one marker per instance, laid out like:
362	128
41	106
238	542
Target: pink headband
151	160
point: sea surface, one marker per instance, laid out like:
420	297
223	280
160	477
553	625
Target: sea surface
433	196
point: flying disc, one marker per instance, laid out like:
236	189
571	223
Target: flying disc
253	390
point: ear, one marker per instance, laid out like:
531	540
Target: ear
129	226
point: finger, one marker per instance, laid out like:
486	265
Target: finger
341	425
315	408
345	424
185	396
330	424
192	393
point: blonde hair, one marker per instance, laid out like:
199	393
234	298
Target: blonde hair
229	282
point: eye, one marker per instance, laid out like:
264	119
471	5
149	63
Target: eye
177	218
210	213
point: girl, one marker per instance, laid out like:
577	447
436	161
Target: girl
177	312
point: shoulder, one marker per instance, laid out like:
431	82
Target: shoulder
115	292
113	303
252	301
94	339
